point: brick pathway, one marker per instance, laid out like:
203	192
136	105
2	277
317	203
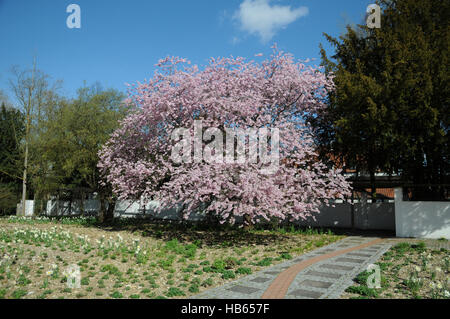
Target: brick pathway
322	273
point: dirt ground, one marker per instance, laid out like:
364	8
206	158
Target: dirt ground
410	269
136	262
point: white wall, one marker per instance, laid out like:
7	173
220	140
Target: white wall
29	208
367	215
421	219
375	216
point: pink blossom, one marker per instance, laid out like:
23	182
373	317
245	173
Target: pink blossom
229	92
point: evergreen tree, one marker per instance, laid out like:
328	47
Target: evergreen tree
11	133
390	110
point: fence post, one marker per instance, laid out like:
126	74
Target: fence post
352	210
398	198
364	211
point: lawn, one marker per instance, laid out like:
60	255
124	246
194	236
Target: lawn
408	270
137	259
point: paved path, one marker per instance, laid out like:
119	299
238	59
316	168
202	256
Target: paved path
323	273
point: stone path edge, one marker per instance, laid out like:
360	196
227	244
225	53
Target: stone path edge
279	287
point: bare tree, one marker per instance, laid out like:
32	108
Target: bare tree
30	87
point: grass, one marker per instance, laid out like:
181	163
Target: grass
408	270
137	260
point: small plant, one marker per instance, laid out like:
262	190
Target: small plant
265	262
219	265
228	274
231	263
174	292
208	282
194	289
18	294
116	295
363	291
413	283
244	271
286	256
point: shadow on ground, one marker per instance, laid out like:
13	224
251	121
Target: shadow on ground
226	235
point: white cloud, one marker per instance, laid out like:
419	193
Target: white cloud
261	18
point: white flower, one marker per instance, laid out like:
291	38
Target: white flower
439	285
438	269
417	268
49	273
447	293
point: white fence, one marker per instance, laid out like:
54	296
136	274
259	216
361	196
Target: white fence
408	218
421	219
366	215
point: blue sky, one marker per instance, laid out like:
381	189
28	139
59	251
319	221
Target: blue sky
120	41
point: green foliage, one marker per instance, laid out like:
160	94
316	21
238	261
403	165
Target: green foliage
18	294
228	274
188	251
219	265
174	292
11	134
116	295
111	269
208	282
194	288
265	262
363	290
390	108
70	135
243	271
286	256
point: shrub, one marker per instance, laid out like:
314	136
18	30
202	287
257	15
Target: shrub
243	271
174	292
363	290
228	274
265	262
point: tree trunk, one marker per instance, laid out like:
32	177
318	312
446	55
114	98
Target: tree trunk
82	203
110	211
247	222
106	213
24	182
102	212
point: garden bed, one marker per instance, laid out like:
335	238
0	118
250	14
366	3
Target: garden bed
136	260
408	270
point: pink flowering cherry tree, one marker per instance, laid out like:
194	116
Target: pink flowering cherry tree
228	94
